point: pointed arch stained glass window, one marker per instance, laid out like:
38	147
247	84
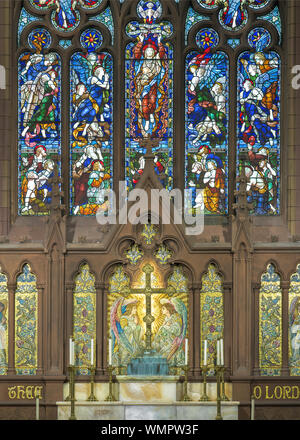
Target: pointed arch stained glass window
91	125
257	141
207	97
149	93
39	123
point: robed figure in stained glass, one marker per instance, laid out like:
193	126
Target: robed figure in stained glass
150	80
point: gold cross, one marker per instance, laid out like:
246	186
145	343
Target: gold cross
148	291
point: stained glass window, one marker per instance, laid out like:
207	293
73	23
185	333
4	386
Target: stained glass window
3	323
294	323
257	141
39	123
207	97
81	34
149	93
270	323
65	17
84	318
258	122
91	125
26	323
211	314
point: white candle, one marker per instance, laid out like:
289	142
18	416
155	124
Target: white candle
222	352
70	351
37	408
186	350
92	351
218	352
205	353
252	407
73	352
109	352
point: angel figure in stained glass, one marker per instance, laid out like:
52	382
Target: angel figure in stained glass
206	98
295	329
170	336
91	96
126	330
233	14
259	97
38	98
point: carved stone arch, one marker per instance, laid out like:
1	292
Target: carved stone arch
277	270
173	243
6	273
188	272
220	273
108	270
290	273
124	243
20	268
77	270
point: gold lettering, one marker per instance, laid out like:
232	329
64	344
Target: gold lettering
12	392
29	392
286	391
21	392
276	394
267	393
257	392
295	396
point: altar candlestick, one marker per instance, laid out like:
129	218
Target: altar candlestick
205	353
92	351
222	351
186	351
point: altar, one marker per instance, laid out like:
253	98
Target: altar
151	398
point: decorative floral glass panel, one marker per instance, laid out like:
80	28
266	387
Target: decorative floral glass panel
84	318
26	323
149	94
39	123
207	98
91	126
211	315
294	323
3	323
259	122
270	324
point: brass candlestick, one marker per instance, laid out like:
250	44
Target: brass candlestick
92	397
204	397
110	397
186	397
218	374
71	396
223	395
